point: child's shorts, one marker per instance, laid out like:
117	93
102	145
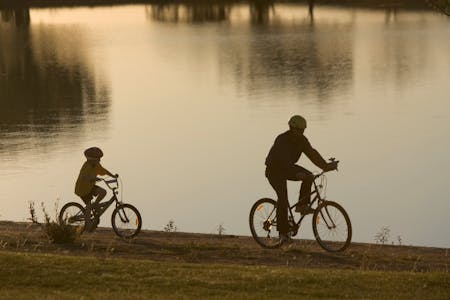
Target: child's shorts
96	190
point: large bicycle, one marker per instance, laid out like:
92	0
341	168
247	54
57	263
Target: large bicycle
330	222
126	220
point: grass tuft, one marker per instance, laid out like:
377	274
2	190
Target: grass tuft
54	231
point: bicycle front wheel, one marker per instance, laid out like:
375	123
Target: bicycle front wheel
263	223
332	227
126	221
72	214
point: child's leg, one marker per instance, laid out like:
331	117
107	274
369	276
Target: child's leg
98	192
87	210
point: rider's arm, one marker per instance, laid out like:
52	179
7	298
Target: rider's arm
315	157
110	174
102	171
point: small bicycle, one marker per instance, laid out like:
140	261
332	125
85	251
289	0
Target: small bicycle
330	222
126	220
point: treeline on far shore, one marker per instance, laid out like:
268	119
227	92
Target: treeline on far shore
405	4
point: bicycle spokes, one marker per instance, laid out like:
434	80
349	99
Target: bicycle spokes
263	223
126	221
332	227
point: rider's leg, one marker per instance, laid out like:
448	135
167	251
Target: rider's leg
301	174
304	197
305	190
280	186
87	210
99	193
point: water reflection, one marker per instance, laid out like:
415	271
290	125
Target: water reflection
18	16
264	11
261	11
307	62
290	55
189	12
48	91
307	47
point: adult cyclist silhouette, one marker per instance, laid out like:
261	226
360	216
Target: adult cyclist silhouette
281	166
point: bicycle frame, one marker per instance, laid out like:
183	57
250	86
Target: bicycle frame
101	207
317	198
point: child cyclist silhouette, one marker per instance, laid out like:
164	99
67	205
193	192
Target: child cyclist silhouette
85	186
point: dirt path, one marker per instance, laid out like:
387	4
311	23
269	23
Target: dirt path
227	249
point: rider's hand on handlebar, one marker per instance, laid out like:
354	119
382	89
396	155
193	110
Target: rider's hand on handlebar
98	179
116	175
331	166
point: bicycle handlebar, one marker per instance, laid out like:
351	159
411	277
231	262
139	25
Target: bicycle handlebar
323	172
108	182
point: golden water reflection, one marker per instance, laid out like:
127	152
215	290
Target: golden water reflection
48	89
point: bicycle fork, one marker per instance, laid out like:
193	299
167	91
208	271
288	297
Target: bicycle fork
122	215
330	220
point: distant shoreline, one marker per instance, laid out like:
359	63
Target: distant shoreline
386	4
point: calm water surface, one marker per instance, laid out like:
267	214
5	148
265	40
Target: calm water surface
187	100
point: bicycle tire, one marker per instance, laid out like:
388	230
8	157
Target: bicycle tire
72	213
265	219
126	233
326	219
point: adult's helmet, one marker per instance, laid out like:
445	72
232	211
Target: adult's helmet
297	122
93	152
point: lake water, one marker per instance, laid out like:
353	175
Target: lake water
186	100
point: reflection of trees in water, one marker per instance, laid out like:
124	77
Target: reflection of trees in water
191	12
263	11
47	90
17	16
308	55
304	58
304	61
260	11
441	5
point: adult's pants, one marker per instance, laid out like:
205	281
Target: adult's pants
278	180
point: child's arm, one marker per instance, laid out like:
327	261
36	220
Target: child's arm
102	171
111	174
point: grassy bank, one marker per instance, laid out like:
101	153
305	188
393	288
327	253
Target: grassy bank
226	249
51	276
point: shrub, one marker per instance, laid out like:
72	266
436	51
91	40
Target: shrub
55	232
220	229
170	227
382	237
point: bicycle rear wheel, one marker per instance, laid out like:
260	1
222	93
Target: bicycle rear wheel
263	223
332	227
72	214
126	221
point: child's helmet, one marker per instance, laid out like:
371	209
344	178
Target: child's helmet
93	152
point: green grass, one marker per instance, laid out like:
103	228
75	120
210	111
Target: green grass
49	276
